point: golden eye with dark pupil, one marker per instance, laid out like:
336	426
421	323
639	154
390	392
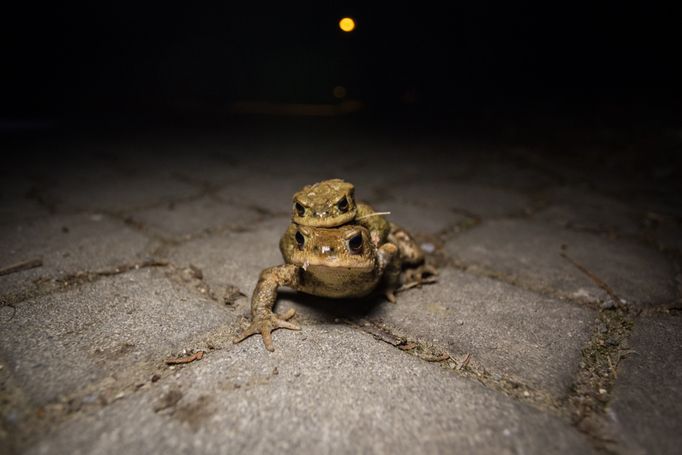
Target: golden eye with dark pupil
343	205
299	239
299	209
355	243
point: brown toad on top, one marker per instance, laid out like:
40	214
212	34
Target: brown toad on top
331	203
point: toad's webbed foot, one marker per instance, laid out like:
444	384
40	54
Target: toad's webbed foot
416	276
265	323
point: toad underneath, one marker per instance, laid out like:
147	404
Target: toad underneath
335	248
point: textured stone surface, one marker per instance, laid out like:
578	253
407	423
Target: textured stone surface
531	253
645	406
332	390
503	171
270	195
109	190
235	258
82	365
578	208
58	343
195	217
420	219
66	244
509	331
481	200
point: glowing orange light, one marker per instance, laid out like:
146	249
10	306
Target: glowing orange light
347	24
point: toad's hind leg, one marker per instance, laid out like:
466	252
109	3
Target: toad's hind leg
415	270
263	320
410	253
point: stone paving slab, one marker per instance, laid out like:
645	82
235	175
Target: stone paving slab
185	219
529	252
330	390
644	410
270	195
481	200
234	258
331	387
509	331
66	244
579	208
189	159
58	343
502	171
101	189
420	219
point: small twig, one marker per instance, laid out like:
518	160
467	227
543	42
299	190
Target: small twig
408	346
380	333
465	362
178	360
21	266
598	281
436	358
415	284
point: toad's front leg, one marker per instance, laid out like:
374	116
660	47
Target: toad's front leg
263	320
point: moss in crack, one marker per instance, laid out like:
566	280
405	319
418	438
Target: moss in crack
591	390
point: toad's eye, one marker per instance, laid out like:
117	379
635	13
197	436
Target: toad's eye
355	244
300	210
300	240
343	205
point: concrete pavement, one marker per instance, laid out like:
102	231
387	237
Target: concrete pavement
554	327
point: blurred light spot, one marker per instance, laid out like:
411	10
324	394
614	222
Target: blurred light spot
339	91
347	24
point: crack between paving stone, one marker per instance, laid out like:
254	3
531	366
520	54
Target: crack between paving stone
74	280
486	272
466	367
121	384
591	389
594	381
192	278
597	374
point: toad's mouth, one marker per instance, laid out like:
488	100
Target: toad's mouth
324	219
328	265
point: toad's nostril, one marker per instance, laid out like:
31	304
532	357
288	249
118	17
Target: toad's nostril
326	249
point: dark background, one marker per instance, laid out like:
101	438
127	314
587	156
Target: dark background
496	61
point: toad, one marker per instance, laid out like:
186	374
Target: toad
328	262
335	247
331	203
